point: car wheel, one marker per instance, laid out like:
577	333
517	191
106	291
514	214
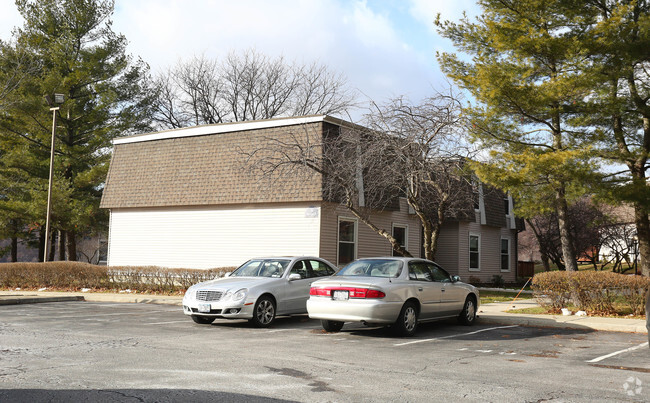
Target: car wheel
202	320
331	325
468	314
263	312
407	321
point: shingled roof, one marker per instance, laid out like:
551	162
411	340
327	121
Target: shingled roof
207	165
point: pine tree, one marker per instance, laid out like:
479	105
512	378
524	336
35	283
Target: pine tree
522	73
106	96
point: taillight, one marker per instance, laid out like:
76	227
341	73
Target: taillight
352	292
323	292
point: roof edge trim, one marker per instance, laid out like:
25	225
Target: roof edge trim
228	128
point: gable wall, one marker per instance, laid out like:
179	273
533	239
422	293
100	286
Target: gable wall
212	237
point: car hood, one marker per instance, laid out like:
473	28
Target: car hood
353	281
230	283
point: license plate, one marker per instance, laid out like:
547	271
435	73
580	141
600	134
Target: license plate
204	307
340	295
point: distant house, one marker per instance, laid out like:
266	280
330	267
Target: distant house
187	198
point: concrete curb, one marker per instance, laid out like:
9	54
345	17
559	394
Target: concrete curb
591	323
37	299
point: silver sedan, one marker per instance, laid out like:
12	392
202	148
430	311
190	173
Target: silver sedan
391	291
258	290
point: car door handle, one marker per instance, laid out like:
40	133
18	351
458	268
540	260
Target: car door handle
443	290
419	288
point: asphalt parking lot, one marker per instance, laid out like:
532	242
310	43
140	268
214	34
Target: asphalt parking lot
71	351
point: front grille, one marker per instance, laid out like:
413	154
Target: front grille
206	295
212	311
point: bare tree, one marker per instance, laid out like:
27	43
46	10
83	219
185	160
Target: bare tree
246	86
403	150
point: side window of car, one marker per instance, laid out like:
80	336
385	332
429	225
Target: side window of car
419	271
439	274
320	269
300	268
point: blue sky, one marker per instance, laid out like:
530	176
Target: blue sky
385	48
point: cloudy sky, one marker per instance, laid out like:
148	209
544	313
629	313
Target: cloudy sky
384	47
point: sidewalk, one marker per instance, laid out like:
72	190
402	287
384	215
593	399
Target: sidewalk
488	313
22	297
495	313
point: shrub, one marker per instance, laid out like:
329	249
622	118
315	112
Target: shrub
593	292
474	280
498	281
77	275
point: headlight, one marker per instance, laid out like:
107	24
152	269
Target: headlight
239	294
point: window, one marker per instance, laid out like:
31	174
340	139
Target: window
474	252
347	241
505	254
300	268
439	274
400	233
320	269
419	271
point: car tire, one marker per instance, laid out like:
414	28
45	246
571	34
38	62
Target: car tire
263	312
202	320
407	321
467	316
331	325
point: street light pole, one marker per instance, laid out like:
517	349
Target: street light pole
58	99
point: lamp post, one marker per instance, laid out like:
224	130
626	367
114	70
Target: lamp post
53	102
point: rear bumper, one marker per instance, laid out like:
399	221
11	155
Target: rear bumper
353	310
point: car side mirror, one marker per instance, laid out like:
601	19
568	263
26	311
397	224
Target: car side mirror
227	274
294	276
455	279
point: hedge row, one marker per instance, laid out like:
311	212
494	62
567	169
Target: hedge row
590	291
76	275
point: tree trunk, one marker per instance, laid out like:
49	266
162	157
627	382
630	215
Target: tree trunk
568	248
643	235
52	248
71	243
61	242
41	244
14	249
546	262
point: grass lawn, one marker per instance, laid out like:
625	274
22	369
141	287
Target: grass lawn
488	297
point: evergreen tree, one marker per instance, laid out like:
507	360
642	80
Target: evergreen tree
106	96
525	57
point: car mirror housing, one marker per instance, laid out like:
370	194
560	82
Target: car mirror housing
294	276
227	274
455	279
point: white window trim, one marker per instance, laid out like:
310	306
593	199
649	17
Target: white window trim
406	234
509	255
469	251
356	238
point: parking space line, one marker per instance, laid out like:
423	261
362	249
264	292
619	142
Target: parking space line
108	314
164	323
602	357
455	335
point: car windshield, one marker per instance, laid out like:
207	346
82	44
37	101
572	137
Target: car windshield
372	268
261	268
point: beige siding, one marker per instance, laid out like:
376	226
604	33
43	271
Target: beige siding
369	243
447	255
207	237
489	249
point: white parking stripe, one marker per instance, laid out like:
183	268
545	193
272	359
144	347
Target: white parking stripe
164	323
619	352
455	335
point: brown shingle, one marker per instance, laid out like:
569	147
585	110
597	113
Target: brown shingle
206	170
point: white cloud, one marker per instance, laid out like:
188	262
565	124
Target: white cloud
369	45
